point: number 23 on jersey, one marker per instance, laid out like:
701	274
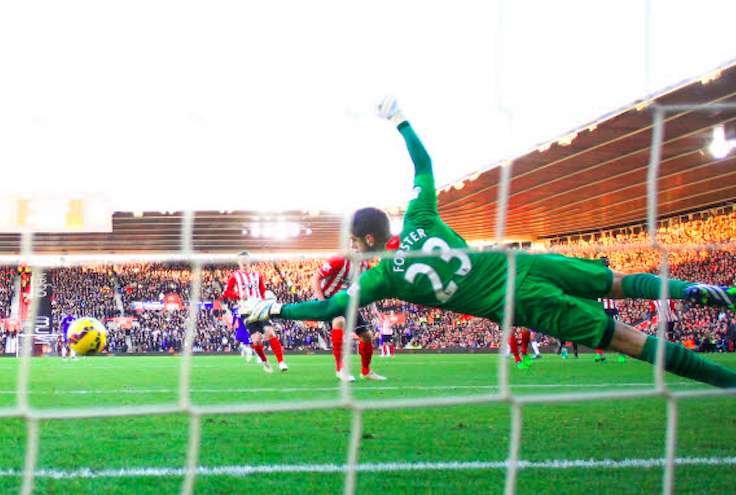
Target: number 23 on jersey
443	291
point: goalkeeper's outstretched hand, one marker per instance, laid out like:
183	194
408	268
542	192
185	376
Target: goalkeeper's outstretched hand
254	310
388	109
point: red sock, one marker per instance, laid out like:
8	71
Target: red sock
276	348
599	351
392	348
514	348
337	336
366	354
525	342
259	350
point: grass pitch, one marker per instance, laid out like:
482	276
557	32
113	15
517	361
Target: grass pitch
628	436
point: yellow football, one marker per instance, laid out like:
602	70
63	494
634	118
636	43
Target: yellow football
87	336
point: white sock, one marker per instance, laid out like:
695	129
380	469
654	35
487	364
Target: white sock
535	347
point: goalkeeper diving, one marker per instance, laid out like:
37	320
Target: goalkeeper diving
553	293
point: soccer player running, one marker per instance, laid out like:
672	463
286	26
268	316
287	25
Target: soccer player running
554	294
333	276
244	286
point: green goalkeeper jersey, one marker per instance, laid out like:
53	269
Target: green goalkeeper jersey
470	283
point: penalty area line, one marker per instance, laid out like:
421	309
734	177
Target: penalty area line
248	470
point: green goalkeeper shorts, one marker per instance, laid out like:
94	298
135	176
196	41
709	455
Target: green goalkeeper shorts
559	297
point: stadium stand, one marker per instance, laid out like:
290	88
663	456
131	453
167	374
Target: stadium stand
142	294
7	283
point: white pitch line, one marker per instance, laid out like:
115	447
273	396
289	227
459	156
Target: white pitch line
247	470
103	362
277	389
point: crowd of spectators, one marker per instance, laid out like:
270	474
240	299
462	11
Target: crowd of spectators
87	291
150	282
109	292
700	328
7	282
627	248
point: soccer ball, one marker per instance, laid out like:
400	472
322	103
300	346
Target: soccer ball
87	336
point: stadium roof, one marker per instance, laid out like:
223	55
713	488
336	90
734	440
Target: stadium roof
591	178
596	176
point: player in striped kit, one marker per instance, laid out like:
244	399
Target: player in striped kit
333	276
244	285
667	312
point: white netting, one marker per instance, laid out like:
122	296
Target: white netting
346	398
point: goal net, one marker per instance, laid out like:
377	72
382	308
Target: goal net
346	399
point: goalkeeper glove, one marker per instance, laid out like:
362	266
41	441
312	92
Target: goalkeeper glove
388	109
254	310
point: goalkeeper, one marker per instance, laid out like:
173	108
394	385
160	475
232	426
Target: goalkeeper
553	293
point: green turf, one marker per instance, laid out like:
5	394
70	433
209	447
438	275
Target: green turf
618	430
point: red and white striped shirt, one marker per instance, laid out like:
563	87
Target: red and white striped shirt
243	285
666	311
608	303
336	274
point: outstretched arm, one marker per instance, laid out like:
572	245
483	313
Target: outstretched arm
317	310
372	288
424	204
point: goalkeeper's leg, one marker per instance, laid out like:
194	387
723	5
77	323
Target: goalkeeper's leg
649	286
591	279
544	305
677	359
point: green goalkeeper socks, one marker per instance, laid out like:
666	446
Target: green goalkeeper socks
647	286
687	363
